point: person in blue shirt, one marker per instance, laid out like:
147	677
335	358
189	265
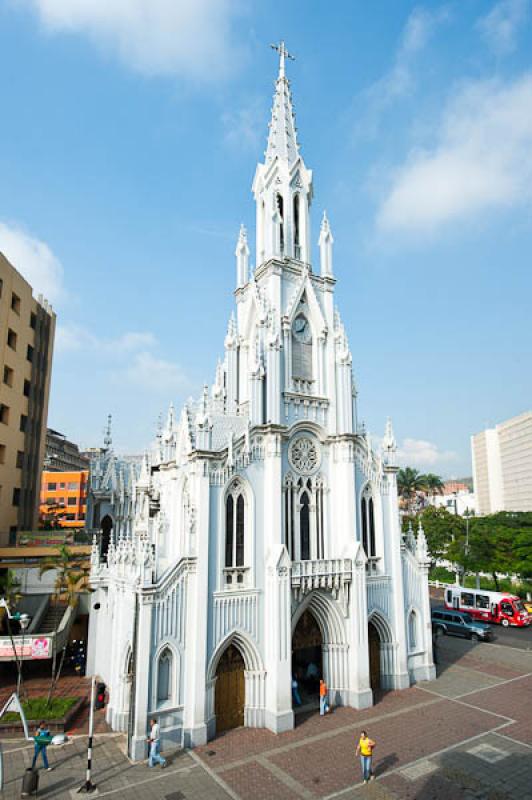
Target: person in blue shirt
40	746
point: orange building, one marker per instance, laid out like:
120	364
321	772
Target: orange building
64	498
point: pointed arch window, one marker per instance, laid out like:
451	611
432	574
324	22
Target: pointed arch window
304	517
164	676
367	518
301	348
279	202
235	527
304	527
297	242
229	531
412	630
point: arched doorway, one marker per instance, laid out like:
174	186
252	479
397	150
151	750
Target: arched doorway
307	667
230	690
106	526
374	645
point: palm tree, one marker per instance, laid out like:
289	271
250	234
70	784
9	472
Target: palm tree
70	579
433	483
409	481
10	591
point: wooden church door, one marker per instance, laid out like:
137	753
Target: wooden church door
230	691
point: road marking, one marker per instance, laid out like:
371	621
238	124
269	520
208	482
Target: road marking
488	753
495	685
454	746
318	737
511	739
291	783
165	773
419	770
216	778
460	702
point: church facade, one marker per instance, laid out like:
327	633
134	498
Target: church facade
265	534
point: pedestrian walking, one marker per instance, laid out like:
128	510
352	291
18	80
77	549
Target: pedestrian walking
365	748
296	697
324	701
42	739
154	741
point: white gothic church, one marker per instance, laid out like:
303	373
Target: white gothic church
265	530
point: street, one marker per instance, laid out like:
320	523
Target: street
520	638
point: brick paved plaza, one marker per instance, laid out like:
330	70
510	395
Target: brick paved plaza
466	735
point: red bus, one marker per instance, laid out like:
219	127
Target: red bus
501	607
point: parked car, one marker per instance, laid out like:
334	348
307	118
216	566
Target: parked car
459	623
528	605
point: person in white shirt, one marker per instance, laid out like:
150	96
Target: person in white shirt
154	740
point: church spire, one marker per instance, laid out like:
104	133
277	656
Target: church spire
107	439
282	185
282	138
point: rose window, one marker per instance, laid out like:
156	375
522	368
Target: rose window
304	455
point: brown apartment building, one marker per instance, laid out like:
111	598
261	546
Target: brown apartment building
27	329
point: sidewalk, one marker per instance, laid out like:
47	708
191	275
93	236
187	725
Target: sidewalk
113	774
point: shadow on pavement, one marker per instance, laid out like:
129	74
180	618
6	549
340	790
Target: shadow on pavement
463	775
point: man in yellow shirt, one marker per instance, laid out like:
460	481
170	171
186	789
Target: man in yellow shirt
365	749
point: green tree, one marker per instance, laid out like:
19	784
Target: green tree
441	529
409	482
70	579
498	544
433	483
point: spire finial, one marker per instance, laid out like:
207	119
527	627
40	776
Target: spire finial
283	54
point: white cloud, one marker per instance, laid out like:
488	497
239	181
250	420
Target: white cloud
71	337
34	260
420	453
191	38
420	27
482	160
155	374
244	126
501	26
128	358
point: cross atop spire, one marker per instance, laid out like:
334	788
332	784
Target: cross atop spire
283	54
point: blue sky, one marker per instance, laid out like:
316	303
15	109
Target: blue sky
129	137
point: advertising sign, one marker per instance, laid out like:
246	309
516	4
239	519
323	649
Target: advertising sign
31	648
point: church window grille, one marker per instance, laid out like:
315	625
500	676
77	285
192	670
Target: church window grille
164	676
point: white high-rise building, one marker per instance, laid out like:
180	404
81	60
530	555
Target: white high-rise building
266	531
502	466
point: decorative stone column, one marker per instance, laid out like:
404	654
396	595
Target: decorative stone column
400	679
279	716
425	671
142	674
197	593
360	694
